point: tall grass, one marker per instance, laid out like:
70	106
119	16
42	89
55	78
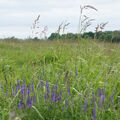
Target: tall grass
59	85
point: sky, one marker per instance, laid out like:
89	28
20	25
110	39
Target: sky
17	16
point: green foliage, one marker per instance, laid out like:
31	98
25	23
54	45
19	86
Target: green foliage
94	65
70	36
54	36
12	39
88	35
116	36
36	39
107	36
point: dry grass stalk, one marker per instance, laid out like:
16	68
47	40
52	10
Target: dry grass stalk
99	28
84	20
35	25
36	29
102	25
91	7
45	32
65	27
59	28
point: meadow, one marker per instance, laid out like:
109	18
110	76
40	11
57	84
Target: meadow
59	80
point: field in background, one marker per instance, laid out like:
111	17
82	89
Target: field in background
81	70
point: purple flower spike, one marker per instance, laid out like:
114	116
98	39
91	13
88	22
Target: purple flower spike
1	86
45	96
28	91
69	91
52	95
21	105
56	86
24	83
13	92
47	87
42	82
113	97
32	86
76	72
28	102
99	92
60	98
16	89
56	93
23	88
34	99
94	112
85	104
103	97
55	100
22	91
7	93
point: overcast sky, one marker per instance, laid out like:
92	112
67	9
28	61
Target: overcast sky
17	16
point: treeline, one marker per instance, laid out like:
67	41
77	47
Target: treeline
107	36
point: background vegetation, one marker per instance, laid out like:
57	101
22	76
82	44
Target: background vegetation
107	36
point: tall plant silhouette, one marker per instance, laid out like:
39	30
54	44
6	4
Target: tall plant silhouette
84	20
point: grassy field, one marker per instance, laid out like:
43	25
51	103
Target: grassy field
56	80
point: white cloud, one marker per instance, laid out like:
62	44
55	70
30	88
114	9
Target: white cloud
19	15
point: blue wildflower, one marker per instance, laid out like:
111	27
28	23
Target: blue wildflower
13	92
60	96
32	86
93	96
69	91
47	87
112	96
7	93
28	91
76	72
1	86
94	112
85	103
99	92
29	102
42	82
16	90
34	99
52	95
56	86
55	99
21	105
45	96
23	88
